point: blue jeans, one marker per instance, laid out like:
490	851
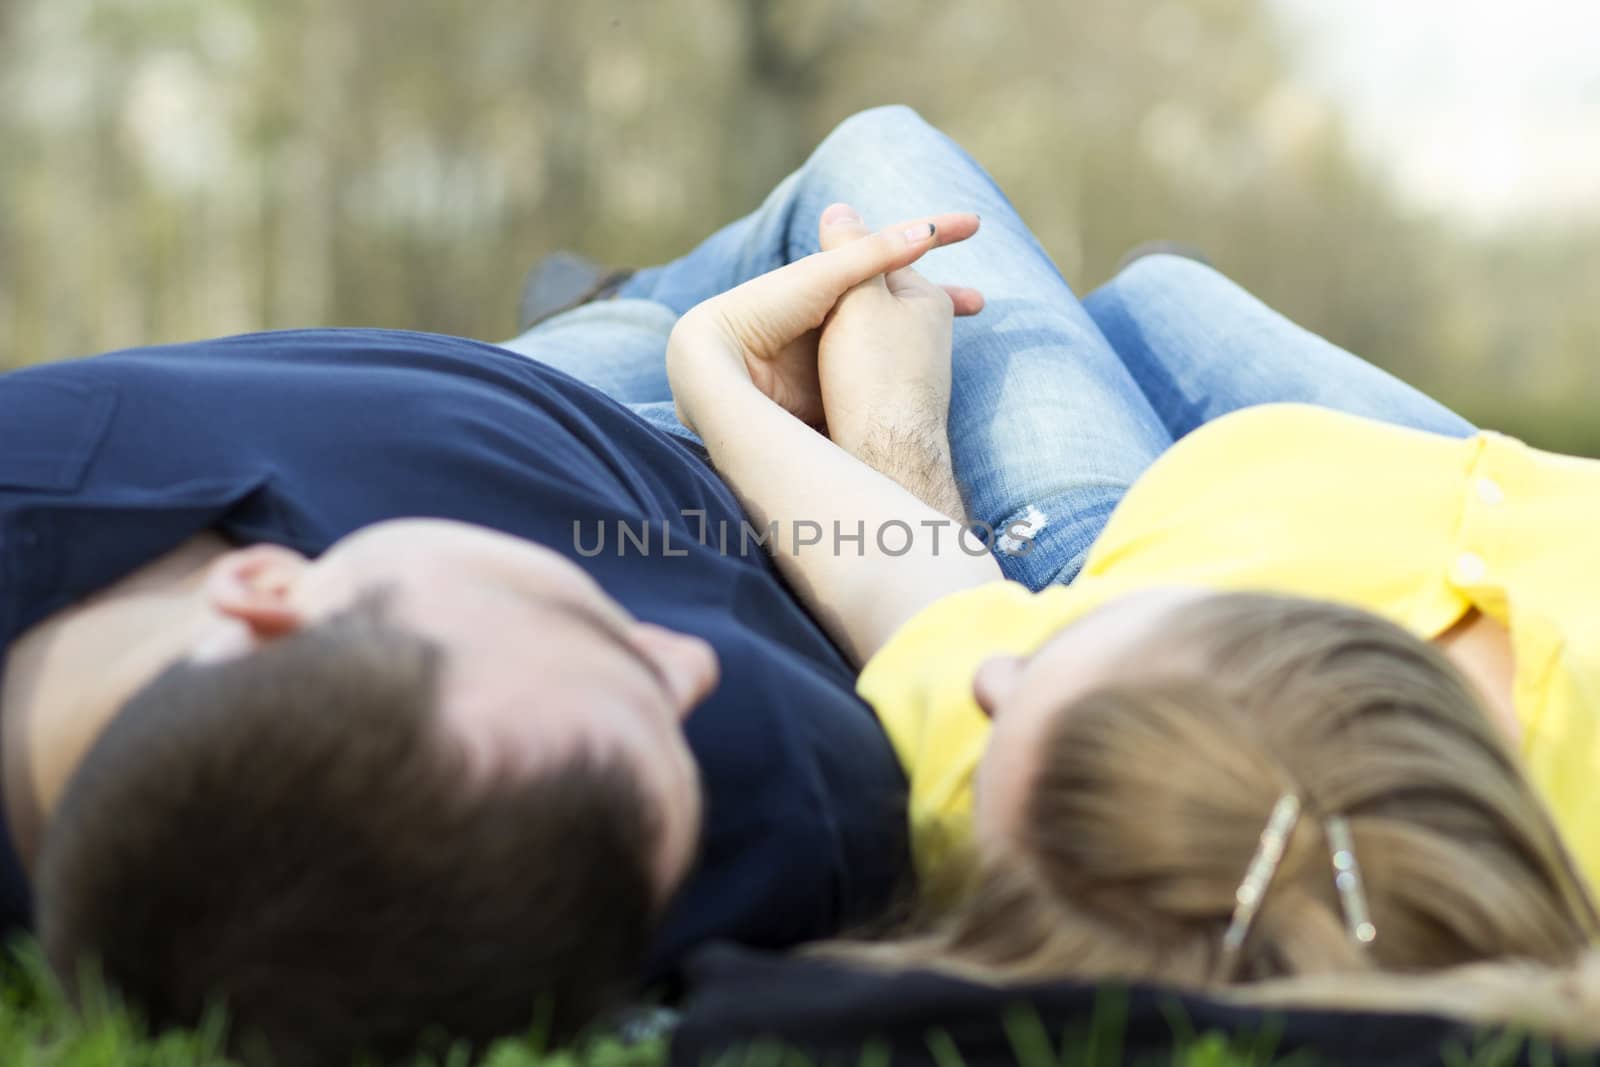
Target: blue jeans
1057	406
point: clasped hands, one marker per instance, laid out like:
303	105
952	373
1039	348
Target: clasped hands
851	340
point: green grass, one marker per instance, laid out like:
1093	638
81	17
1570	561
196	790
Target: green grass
37	1029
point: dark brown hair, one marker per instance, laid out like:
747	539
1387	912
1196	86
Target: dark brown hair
288	834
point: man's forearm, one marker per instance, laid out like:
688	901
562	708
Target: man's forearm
916	454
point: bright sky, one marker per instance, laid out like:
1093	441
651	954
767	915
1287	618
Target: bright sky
1487	110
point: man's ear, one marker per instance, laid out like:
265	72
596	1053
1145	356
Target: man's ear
687	664
255	586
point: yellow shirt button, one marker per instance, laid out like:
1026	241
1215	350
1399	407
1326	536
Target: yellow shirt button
1470	569
1490	492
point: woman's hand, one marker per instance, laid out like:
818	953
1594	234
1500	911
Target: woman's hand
765	332
808	493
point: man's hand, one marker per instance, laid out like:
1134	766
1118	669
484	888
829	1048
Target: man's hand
884	363
765	332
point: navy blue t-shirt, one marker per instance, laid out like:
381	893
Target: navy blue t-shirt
300	438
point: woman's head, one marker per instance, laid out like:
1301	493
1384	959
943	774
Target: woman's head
1123	816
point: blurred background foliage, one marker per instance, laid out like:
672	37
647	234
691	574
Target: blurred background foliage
175	169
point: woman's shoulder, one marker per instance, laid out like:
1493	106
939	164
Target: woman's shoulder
1295	425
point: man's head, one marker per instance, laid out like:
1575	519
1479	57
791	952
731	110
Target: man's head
436	776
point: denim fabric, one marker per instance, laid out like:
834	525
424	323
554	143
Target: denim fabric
1057	406
1199	347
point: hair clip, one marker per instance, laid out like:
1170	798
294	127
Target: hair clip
1347	880
1258	878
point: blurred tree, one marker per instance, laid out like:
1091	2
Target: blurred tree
182	168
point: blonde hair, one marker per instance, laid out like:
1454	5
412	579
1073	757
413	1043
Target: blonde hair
1150	798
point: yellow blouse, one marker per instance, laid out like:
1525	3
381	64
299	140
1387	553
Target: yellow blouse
1300	500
